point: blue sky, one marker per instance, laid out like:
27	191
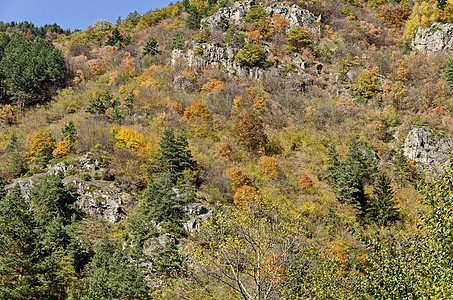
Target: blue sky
73	14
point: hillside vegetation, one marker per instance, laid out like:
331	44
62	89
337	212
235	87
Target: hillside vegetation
226	149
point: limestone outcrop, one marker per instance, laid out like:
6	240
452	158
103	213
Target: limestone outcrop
436	38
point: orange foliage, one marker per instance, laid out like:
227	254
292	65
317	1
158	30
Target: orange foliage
395	14
279	23
238	178
197	110
244	194
147	80
260	103
378	129
255	36
304	181
272	268
7	114
268	166
213	86
62	149
223	148
401	70
97	66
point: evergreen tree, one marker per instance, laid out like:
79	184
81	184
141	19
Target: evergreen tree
168	262
332	161
16	160
223	23
159	199
382	207
151	47
115	38
173	155
185	5
177	41
194	18
112	276
449	71
400	168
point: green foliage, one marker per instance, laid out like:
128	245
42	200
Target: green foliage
299	38
29	28
223	23
194	18
113	276
177	41
449	71
234	38
151	47
382	206
174	156
16	160
39	253
169	262
255	14
251	56
114	108
31	68
115	39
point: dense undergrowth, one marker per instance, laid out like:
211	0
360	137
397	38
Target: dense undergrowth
302	208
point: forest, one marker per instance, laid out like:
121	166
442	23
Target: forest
221	149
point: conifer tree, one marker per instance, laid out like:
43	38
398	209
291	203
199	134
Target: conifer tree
194	18
168	262
449	71
400	168
382	207
151	47
115	39
332	161
16	160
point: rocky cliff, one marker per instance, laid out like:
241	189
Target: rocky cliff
438	37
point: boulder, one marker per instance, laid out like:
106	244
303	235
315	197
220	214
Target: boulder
436	38
196	214
427	150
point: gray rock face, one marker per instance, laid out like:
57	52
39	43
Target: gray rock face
426	149
196	213
97	198
438	37
235	14
296	16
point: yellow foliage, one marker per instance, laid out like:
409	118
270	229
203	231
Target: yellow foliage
42	145
127	138
260	103
197	110
422	15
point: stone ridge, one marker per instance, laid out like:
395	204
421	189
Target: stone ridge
437	38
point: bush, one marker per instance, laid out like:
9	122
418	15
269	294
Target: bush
42	145
238	178
251	56
299	38
268	166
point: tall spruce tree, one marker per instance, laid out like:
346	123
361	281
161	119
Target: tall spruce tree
173	155
382	206
400	168
151	47
16	160
194	18
332	161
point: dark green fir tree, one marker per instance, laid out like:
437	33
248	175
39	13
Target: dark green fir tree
382	207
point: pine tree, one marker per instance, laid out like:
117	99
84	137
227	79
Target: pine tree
159	199
177	41
400	168
16	160
151	47
382	207
194	18
168	262
173	155
332	161
113	277
115	39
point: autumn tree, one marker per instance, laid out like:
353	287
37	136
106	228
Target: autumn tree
245	250
42	146
251	55
238	178
249	130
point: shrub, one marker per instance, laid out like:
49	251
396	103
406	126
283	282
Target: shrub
299	38
223	148
244	194
366	85
197	110
42	145
85	176
127	138
304	182
238	178
395	14
449	71
61	150
255	14
268	166
234	38
251	56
